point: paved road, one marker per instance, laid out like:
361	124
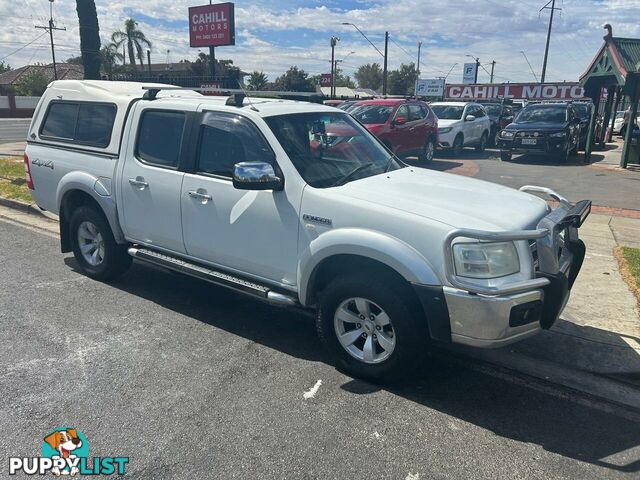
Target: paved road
14	129
192	381
575	180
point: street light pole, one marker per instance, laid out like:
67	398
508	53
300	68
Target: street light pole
493	65
384	70
334	42
546	48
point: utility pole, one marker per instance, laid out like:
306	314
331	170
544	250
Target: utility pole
50	29
493	66
334	41
386	55
546	49
475	80
149	60
419	48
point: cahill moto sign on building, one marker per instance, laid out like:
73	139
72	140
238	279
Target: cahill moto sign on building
529	91
212	25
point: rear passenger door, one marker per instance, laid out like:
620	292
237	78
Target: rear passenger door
151	180
419	127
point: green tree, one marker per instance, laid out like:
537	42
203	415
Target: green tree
257	81
110	56
89	38
344	80
4	67
32	85
403	80
369	76
295	80
134	39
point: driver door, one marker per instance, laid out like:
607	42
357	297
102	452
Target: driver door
253	232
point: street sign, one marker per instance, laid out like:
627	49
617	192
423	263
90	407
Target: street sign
469	73
326	80
430	87
530	91
212	25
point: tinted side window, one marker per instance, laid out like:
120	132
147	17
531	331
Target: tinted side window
61	121
415	113
227	139
160	137
480	112
403	111
95	123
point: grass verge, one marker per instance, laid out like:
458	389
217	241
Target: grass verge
629	262
12	182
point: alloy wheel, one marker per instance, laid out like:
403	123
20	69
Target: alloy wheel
91	243
364	330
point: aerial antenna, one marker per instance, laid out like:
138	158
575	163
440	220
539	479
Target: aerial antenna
248	97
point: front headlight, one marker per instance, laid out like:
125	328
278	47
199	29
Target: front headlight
558	135
507	134
485	260
445	130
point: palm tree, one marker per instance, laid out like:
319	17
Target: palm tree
89	38
134	39
257	81
110	57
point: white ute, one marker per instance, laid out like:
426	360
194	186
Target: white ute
297	204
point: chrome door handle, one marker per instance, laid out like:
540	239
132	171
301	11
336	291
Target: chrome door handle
199	196
141	184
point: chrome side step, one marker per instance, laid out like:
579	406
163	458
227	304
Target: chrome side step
213	276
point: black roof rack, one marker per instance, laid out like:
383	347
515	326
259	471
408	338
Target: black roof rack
237	96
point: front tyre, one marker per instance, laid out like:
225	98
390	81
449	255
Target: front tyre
505	156
370	329
428	151
482	145
94	247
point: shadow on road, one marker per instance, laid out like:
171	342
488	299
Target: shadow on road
527	159
508	409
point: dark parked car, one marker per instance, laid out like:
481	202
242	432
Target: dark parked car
406	127
500	115
583	110
551	129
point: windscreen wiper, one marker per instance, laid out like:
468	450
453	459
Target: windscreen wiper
350	175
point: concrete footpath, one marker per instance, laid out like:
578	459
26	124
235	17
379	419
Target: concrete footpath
593	348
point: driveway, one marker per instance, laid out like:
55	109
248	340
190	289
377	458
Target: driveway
575	180
193	381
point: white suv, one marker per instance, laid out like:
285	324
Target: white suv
298	205
462	124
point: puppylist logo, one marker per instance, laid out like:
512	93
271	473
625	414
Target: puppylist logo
65	451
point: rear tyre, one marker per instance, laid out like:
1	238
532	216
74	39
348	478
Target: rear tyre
505	156
428	151
94	247
458	145
483	143
371	329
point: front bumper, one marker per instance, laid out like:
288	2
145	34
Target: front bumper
491	317
445	140
544	145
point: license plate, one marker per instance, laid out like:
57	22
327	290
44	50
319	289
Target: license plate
529	141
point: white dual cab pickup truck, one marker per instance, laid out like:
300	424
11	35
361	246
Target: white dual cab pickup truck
297	204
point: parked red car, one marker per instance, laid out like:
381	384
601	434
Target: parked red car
406	127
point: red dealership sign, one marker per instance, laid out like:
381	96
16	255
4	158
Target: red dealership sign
531	91
212	25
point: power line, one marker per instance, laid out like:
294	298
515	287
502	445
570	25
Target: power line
412	57
50	28
24	46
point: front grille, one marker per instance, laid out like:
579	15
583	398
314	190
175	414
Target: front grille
530	135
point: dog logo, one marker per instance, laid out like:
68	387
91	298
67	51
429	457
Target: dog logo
65	444
65	451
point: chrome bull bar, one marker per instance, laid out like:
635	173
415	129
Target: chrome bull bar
553	258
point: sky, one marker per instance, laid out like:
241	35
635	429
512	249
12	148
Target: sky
273	35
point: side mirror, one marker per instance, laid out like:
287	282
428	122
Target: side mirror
256	176
400	120
469	118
